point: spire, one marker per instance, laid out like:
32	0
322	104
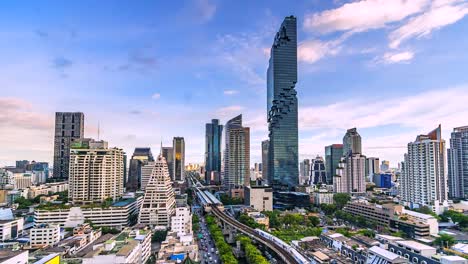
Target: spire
161	148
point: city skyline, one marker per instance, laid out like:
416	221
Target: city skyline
76	65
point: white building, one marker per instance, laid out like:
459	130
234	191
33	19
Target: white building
146	170
11	229
423	176
181	222
350	175
45	235
118	215
259	197
323	197
159	200
22	180
96	171
425	219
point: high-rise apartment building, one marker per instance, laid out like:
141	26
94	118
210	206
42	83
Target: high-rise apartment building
178	145
237	154
458	163
282	108
213	138
423	179
333	154
265	147
168	154
68	128
96	172
140	157
350	175
158	204
372	167
352	142
318	173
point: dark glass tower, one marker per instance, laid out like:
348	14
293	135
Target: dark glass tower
178	145
141	156
333	154
283	170
213	137
68	128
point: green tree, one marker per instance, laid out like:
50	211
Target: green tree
341	199
23	203
159	236
328	209
444	240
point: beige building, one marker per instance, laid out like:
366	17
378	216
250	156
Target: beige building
96	172
259	197
322	196
351	175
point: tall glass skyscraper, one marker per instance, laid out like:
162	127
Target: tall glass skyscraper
178	145
333	154
213	137
283	170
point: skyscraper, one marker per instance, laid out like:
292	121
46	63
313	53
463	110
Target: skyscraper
68	128
159	201
178	145
318	173
265	148
352	142
213	138
140	157
350	175
458	163
333	154
237	154
282	108
423	177
168	154
96	171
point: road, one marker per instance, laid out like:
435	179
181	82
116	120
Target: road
206	244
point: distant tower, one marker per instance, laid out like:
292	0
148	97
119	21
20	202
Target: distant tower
352	142
265	147
333	154
213	138
283	164
178	145
159	201
68	128
458	163
318	173
237	154
140	157
168	154
372	167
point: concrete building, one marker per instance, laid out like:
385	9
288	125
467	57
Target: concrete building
178	145
259	197
282	108
322	196
168	154
69	127
379	255
350	175
333	154
132	246
45	235
145	172
23	180
213	138
159	200
372	167
120	214
458	163
11	229
140	157
7	179
236	154
423	177
181	222
96	172
318	173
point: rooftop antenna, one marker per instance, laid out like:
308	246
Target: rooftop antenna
98	131
161	147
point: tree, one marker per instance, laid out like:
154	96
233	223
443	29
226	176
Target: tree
328	209
444	240
23	203
313	221
159	236
341	199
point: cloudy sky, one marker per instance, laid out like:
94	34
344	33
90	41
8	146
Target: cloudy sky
148	71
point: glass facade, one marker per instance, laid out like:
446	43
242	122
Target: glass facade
213	137
283	170
333	154
179	159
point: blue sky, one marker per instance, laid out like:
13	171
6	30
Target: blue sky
152	70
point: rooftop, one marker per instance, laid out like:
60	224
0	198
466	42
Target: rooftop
383	253
414	245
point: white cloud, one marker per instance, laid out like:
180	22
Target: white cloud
363	15
313	50
156	96
205	9
398	57
441	13
230	92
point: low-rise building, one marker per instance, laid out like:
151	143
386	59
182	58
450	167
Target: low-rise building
8	256
322	196
177	245
259	197
11	229
45	235
181	222
379	255
120	214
